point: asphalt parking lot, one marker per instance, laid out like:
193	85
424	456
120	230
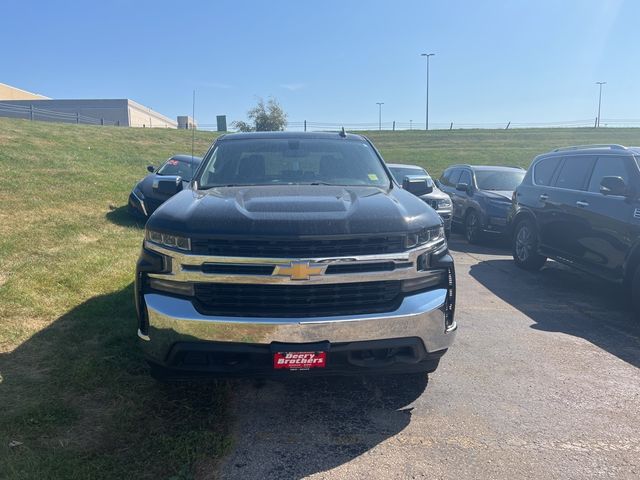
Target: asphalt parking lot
542	382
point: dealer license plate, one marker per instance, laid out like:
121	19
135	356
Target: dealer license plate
299	360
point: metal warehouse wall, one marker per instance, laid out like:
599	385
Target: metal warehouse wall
122	112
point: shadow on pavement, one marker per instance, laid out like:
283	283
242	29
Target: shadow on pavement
561	299
292	429
488	246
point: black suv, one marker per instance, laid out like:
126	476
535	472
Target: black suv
481	197
580	206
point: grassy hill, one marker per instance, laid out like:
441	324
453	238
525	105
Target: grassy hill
437	149
73	388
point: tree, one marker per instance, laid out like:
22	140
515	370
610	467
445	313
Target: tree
269	117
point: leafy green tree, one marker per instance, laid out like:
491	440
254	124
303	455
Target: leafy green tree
264	117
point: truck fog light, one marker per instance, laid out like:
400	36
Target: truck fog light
169	286
432	279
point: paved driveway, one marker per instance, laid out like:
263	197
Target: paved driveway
543	382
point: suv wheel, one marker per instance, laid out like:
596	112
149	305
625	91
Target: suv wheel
525	246
472	230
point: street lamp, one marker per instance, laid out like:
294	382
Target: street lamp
379	114
428	55
599	102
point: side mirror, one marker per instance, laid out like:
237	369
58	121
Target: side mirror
151	168
463	187
417	185
613	186
169	185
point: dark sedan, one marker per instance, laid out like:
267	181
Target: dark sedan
146	197
481	197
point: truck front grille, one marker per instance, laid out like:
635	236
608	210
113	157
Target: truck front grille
297	300
298	248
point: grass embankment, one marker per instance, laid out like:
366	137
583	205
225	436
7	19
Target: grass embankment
438	149
73	387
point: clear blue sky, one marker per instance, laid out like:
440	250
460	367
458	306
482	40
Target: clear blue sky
330	61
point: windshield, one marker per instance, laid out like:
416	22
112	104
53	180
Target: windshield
499	180
400	172
287	161
178	167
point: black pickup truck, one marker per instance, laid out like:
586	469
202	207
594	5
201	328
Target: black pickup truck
294	254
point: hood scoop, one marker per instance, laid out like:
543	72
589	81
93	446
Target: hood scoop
332	200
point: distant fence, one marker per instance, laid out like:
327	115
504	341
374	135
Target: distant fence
33	113
310	126
30	112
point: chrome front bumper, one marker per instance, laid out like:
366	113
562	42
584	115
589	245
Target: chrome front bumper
172	320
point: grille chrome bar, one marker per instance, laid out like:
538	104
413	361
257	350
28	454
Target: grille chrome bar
187	267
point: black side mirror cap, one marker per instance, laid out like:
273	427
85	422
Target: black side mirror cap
463	187
169	185
613	186
151	168
418	185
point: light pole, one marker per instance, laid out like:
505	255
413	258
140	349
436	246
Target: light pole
599	101
428	55
379	114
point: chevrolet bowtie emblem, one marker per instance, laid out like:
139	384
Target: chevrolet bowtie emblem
299	270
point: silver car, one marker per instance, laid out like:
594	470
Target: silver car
437	199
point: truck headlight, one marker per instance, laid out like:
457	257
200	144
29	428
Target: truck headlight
138	192
426	235
168	240
443	203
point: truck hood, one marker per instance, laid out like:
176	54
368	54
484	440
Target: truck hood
292	210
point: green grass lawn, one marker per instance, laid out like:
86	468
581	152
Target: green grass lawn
74	390
438	149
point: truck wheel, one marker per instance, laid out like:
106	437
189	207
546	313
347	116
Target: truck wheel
525	246
472	228
635	292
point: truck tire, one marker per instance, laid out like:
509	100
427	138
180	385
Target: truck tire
525	246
